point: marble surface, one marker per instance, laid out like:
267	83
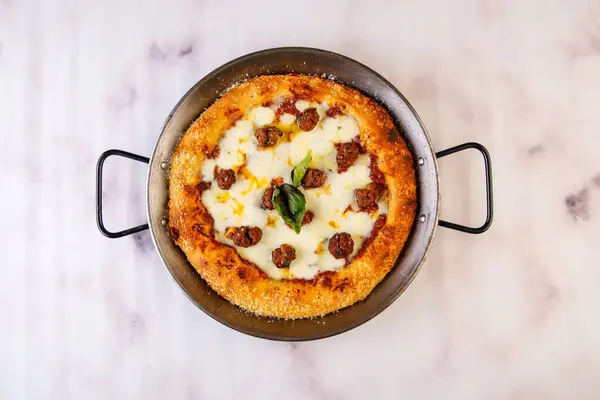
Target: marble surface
511	314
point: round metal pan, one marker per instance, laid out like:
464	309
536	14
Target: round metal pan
307	61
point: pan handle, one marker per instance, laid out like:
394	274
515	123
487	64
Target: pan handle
488	187
99	168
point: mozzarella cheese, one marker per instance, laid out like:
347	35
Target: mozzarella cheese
240	205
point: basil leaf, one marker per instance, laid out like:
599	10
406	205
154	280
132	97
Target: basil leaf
295	199
300	169
298	219
280	204
290	204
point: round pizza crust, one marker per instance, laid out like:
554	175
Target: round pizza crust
243	283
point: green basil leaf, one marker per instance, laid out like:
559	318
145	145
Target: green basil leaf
290	204
298	220
295	198
280	204
300	169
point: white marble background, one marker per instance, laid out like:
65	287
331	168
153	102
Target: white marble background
512	314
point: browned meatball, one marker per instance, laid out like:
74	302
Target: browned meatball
366	198
255	234
225	178
308	217
335	111
341	245
283	256
313	178
347	153
267	136
267	200
361	148
278	181
202	186
287	106
308	119
244	236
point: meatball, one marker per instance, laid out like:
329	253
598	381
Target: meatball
361	148
341	245
374	172
255	234
313	178
225	178
244	236
335	111
347	153
267	200
308	119
283	256
202	186
308	217
289	107
366	198
267	136
278	181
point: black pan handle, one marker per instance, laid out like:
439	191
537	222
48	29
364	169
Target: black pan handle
99	168
488	187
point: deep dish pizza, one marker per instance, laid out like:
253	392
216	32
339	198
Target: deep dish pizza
292	196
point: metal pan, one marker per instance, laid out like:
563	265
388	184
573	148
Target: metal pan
310	62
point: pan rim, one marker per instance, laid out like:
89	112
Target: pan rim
387	300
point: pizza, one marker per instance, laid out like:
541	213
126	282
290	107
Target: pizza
292	196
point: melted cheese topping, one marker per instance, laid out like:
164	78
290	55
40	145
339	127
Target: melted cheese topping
240	205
